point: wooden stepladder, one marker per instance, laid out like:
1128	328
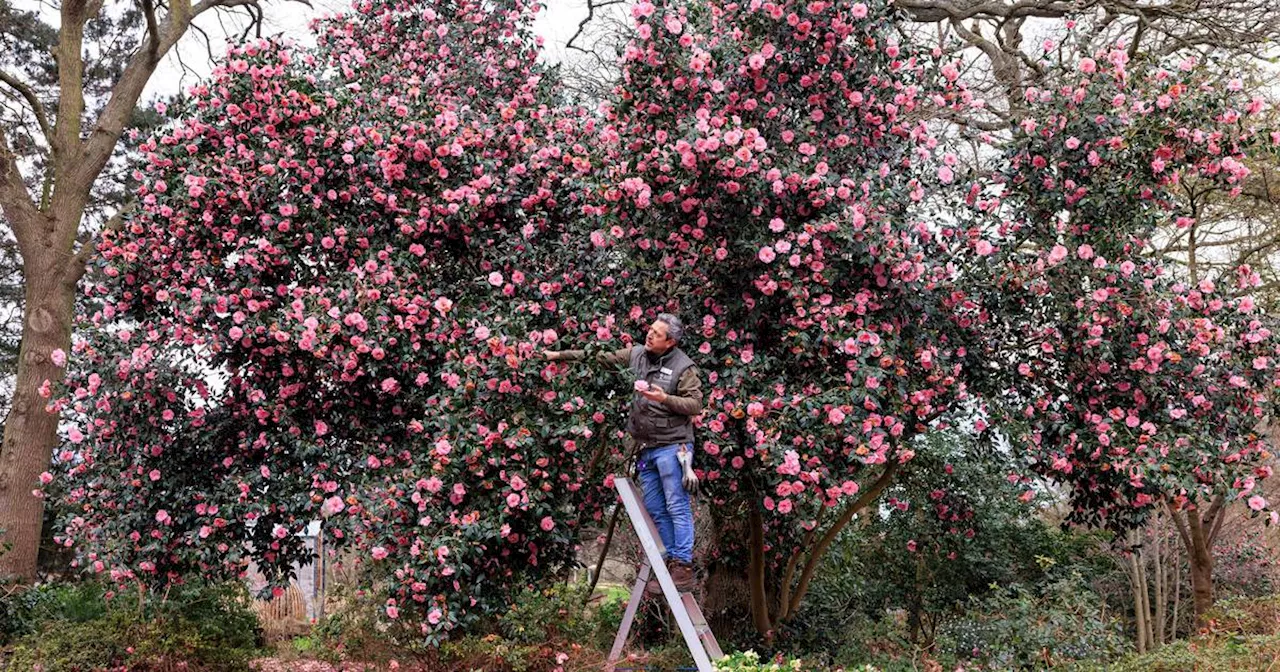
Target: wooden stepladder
693	626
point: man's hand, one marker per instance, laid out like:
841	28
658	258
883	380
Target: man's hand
654	394
551	355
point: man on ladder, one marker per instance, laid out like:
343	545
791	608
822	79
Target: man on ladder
667	396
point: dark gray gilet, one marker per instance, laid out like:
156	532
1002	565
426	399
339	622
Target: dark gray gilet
651	423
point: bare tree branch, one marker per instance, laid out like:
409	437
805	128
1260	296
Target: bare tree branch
30	95
18	207
592	6
153	32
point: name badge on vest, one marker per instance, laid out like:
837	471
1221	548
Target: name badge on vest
664	374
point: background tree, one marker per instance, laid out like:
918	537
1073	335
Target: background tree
1136	389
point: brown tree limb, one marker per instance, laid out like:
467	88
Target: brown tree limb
30	95
784	599
153	30
815	555
15	201
755	573
1214	516
1180	525
932	11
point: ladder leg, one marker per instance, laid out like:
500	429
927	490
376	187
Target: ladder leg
693	627
637	592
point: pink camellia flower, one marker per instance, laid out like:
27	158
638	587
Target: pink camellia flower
321	428
392	611
46	478
859	10
1057	254
434	616
378	553
58	357
162	517
835	416
767	254
984	248
547	524
443	305
1088	66
279	532
495	279
642	385
1257	502
332	505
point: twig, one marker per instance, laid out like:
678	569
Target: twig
591	12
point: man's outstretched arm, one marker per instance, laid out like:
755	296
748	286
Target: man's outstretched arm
622	356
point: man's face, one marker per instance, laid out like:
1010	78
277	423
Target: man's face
657	341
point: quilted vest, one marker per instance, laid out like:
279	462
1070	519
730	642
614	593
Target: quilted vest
651	423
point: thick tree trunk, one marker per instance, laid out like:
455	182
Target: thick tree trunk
1198	529
1201	583
30	431
726	599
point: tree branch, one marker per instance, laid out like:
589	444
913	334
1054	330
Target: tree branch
592	6
30	95
153	30
933	11
1180	525
813	560
16	201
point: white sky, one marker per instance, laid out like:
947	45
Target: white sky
556	23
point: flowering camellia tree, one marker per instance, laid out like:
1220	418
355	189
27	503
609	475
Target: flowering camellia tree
329	307
762	166
331	302
1132	386
345	262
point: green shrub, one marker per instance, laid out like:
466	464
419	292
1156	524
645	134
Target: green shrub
1018	627
749	661
350	628
22	612
74	628
538	615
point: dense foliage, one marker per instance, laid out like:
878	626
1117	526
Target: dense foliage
332	300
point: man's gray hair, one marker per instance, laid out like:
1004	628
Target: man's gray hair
675	328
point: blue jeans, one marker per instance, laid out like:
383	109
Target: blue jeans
666	499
